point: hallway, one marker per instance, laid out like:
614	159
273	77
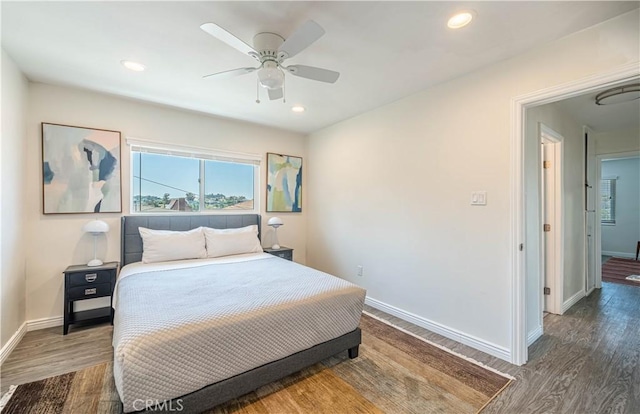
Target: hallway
587	361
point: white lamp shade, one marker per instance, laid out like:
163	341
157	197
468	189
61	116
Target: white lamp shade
270	76
96	226
275	222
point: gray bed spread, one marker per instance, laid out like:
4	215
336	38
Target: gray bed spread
178	330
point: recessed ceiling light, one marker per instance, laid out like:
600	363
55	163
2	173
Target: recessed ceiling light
460	19
298	108
135	66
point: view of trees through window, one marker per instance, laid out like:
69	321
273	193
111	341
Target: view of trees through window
168	183
608	201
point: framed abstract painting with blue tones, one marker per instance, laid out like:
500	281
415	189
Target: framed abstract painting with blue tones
284	183
80	170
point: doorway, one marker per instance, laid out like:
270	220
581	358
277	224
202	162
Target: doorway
552	211
527	218
617	227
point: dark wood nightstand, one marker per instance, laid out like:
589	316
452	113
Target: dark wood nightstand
83	282
284	252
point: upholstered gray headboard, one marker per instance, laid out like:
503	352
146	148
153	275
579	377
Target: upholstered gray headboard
132	242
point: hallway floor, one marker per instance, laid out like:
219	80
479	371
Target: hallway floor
587	361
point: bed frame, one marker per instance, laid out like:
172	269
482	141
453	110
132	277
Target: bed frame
223	391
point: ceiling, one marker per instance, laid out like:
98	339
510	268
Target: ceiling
603	118
383	50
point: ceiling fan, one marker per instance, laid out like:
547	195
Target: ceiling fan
271	50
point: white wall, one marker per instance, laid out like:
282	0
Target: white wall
612	142
56	241
391	188
622	237
12	198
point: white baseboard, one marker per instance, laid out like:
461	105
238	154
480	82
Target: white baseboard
620	254
477	343
13	342
572	301
35	324
28	326
534	335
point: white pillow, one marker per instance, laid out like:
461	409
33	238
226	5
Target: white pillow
165	245
232	241
247	229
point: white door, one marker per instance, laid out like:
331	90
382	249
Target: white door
552	219
590	282
548	202
592	254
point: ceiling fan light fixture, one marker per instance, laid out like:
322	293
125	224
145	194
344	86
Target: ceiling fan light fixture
619	94
270	76
271	50
134	66
460	19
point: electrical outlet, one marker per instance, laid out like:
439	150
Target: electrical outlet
360	270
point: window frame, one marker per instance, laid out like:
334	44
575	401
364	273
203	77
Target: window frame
202	155
612	196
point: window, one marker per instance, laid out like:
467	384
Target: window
173	180
608	201
228	185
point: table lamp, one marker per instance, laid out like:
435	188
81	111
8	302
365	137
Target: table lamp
275	222
95	227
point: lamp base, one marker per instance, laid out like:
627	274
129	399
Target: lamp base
275	246
94	262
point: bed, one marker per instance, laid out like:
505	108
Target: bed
192	334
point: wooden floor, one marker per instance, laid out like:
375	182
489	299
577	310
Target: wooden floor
46	352
588	360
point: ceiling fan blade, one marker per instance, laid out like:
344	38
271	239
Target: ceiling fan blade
230	39
310	72
302	38
275	94
231	73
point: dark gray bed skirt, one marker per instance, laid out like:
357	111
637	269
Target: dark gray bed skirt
223	391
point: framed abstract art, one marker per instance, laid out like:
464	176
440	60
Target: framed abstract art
80	170
284	183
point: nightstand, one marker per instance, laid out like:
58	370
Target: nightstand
284	252
83	282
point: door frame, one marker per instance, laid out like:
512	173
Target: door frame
519	104
590	179
557	222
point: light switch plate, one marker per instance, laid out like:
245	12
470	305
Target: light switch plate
479	198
